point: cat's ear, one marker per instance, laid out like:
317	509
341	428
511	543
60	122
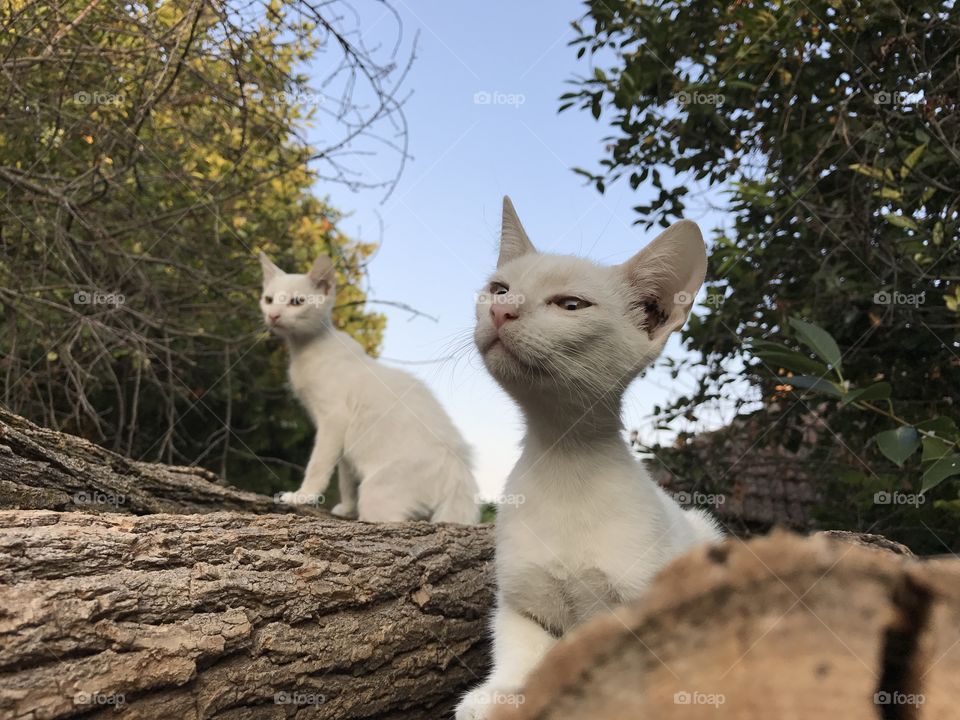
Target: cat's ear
270	271
664	279
513	239
323	275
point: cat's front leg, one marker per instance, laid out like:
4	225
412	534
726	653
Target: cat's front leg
519	644
347	481
327	448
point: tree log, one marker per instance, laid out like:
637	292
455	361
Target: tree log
226	615
46	469
777	627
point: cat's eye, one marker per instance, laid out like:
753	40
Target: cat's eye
297	300
268	299
572	303
498	289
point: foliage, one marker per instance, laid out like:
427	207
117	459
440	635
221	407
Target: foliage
834	126
147	152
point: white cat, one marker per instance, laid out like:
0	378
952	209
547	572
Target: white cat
564	337
398	455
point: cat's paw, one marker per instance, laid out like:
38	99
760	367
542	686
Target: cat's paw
480	703
295	497
344	510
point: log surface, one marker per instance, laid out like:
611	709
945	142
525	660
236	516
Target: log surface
230	615
46	469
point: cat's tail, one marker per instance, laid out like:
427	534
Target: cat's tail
461	500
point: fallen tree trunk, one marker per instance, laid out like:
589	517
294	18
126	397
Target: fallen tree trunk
227	615
777	627
46	469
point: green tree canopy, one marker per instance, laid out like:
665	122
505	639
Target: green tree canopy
147	152
834	126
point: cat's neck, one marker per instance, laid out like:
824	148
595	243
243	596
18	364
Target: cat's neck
559	426
300	344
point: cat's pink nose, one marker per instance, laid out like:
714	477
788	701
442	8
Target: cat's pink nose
273	318
502	312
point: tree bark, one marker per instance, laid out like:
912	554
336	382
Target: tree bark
230	615
777	627
46	469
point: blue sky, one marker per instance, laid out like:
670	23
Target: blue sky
440	226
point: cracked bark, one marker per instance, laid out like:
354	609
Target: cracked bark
228	615
776	627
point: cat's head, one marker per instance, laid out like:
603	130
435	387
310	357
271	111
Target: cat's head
562	324
297	306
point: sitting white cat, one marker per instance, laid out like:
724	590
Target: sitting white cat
398	455
565	337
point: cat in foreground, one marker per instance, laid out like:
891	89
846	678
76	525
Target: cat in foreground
564	337
397	453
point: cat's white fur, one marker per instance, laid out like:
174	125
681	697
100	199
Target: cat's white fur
398	454
593	528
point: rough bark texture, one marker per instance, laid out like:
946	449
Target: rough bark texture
778	627
230	615
45	469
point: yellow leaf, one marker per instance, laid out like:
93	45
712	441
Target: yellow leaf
88	139
52	356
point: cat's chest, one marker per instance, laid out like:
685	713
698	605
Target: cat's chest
560	598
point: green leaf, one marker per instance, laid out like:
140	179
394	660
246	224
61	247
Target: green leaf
818	340
938	472
912	159
901	221
941	425
888	193
898	444
872	172
817	384
934	448
781	356
877	391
